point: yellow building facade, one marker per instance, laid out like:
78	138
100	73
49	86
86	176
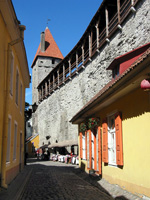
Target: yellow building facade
134	174
14	78
32	144
123	110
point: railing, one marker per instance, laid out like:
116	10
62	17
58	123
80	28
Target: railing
86	56
135	1
94	47
73	68
102	37
40	95
124	9
51	87
60	78
48	89
43	92
80	63
73	65
66	75
55	83
113	23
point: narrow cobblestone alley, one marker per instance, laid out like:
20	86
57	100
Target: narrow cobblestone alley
58	181
43	180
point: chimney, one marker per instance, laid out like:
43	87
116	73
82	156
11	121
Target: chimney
42	41
22	29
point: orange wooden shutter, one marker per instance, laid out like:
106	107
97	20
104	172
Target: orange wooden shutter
119	145
90	149
105	141
99	150
86	145
80	144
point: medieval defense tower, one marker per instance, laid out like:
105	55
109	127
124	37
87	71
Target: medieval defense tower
47	57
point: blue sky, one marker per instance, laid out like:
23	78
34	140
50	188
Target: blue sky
68	21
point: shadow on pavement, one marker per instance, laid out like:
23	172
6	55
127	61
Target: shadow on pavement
121	198
39	175
93	180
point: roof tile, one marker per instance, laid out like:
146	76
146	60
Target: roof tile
51	48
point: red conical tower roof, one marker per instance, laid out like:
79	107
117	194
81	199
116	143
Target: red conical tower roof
51	48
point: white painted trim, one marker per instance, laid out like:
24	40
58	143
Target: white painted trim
17	73
110	132
15	122
83	147
11	75
9	116
7	164
15	141
21	98
10	133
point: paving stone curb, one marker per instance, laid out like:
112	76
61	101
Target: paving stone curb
20	191
16	186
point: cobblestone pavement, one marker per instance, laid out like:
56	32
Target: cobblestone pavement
114	190
59	181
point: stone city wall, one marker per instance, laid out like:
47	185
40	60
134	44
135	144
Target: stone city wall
55	112
43	66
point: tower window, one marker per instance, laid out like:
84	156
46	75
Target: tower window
53	61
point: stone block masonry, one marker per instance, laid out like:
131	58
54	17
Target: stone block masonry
55	112
41	69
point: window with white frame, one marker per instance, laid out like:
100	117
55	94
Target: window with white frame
8	140
21	98
112	150
11	72
21	147
15	142
17	86
83	147
111	140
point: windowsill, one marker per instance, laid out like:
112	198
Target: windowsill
112	165
83	158
7	164
11	96
16	104
14	160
